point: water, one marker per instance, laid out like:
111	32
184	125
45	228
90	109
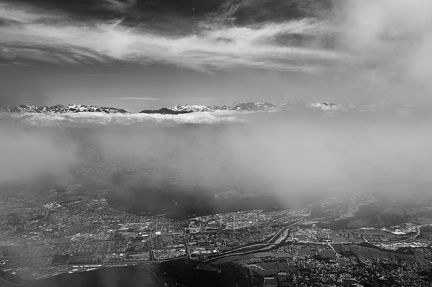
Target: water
180	272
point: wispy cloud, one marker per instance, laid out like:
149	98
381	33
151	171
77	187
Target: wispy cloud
385	36
70	42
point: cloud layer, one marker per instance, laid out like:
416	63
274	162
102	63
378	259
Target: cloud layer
391	36
35	36
388	36
29	155
292	154
103	119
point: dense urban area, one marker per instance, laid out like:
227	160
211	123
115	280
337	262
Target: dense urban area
281	248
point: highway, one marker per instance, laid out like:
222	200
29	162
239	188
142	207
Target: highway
271	243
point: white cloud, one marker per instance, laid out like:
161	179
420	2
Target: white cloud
28	154
54	120
70	42
391	35
379	35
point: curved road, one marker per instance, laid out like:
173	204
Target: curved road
273	242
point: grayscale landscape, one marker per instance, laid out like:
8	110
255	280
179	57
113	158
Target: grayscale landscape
215	143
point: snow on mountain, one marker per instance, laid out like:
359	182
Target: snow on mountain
221	108
241	107
62	109
254	107
191	108
324	107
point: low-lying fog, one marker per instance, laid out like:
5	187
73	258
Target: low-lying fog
296	155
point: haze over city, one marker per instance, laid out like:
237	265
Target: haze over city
254	140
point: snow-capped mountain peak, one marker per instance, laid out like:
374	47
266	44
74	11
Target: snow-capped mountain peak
191	108
327	107
75	108
254	106
323	107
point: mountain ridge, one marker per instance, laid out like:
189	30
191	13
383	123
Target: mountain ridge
62	109
254	106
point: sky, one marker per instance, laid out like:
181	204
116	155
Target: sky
139	54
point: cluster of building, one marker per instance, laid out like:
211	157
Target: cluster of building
402	229
400	245
82	234
357	235
353	270
227	221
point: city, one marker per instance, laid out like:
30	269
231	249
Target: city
283	248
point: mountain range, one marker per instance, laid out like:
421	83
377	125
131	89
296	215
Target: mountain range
62	109
326	107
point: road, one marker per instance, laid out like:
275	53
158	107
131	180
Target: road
271	243
418	227
331	246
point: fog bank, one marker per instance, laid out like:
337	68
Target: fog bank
291	154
